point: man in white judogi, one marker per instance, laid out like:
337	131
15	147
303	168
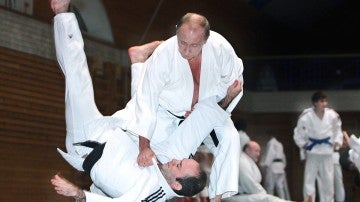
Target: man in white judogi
274	162
318	131
250	189
249	173
191	66
116	173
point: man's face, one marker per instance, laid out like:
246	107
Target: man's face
321	104
190	41
254	153
180	168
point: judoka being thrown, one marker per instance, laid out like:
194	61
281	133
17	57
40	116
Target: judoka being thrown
111	157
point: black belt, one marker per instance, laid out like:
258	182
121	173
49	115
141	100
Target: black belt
277	160
212	134
214	138
93	156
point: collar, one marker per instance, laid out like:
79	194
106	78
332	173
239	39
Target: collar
162	181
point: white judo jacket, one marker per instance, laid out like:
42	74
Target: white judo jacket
274	161
167	85
309	125
119	176
249	176
116	173
165	93
274	151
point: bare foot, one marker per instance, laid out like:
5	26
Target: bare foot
141	53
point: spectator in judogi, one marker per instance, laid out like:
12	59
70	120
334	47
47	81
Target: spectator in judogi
318	132
250	189
274	162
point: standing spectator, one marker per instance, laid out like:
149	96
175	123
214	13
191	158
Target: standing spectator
274	163
318	132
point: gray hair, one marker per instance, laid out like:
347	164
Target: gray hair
196	19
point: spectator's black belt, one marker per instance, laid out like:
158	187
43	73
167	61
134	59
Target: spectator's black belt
93	156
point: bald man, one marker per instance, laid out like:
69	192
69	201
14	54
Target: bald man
250	189
249	173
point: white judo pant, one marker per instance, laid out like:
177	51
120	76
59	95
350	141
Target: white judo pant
72	60
320	168
338	184
275	183
85	122
224	175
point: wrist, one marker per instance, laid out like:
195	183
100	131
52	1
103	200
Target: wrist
144	143
80	195
224	103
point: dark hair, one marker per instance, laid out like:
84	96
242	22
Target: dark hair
318	96
192	185
203	22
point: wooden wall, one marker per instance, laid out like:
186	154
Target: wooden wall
32	122
32	125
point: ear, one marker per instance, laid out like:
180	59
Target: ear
176	185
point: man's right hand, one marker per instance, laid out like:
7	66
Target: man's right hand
59	6
145	153
234	89
145	157
232	92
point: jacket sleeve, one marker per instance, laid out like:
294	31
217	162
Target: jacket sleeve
238	72
140	192
147	95
337	132
300	132
232	70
